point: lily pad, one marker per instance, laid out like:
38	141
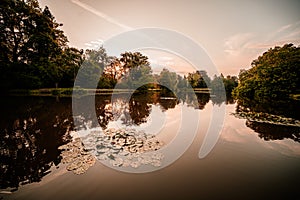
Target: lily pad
77	158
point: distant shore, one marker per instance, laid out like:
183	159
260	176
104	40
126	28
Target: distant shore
68	92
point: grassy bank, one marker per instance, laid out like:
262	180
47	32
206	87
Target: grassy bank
68	92
64	92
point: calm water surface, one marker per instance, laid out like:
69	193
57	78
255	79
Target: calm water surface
251	160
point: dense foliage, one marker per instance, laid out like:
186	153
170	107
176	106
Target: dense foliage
274	76
132	70
33	50
34	53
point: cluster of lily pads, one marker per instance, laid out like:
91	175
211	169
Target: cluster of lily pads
268	118
124	147
77	158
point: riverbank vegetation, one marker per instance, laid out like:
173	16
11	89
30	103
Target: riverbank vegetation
273	76
272	84
35	57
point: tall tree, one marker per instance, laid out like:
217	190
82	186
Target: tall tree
130	60
32	45
132	69
199	79
168	79
274	75
72	59
93	66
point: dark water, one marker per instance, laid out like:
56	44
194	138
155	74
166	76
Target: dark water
250	160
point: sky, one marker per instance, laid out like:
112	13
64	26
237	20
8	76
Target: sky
233	32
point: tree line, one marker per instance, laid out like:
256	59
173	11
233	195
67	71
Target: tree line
35	54
133	70
34	51
273	76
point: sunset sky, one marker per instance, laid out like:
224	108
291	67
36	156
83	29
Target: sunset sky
232	32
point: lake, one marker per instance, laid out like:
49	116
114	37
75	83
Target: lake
251	159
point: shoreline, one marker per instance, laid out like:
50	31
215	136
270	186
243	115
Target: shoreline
68	92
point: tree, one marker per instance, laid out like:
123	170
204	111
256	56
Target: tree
138	77
168	79
130	60
72	59
199	79
230	82
193	79
273	76
217	83
182	82
132	70
93	66
49	43
33	48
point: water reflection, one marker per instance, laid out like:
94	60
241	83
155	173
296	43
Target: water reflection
288	108
269	131
31	129
272	120
138	109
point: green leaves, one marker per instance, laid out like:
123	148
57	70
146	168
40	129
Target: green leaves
31	43
273	76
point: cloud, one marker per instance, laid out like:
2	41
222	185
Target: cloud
286	34
160	60
158	63
100	14
166	61
236	44
250	43
242	48
94	44
283	28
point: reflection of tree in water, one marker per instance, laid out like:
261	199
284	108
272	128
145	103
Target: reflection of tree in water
104	110
195	100
136	111
287	108
274	132
140	107
203	99
218	99
31	130
230	99
168	103
272	120
167	99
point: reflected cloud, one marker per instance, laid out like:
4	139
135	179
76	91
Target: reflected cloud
285	147
275	123
281	139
